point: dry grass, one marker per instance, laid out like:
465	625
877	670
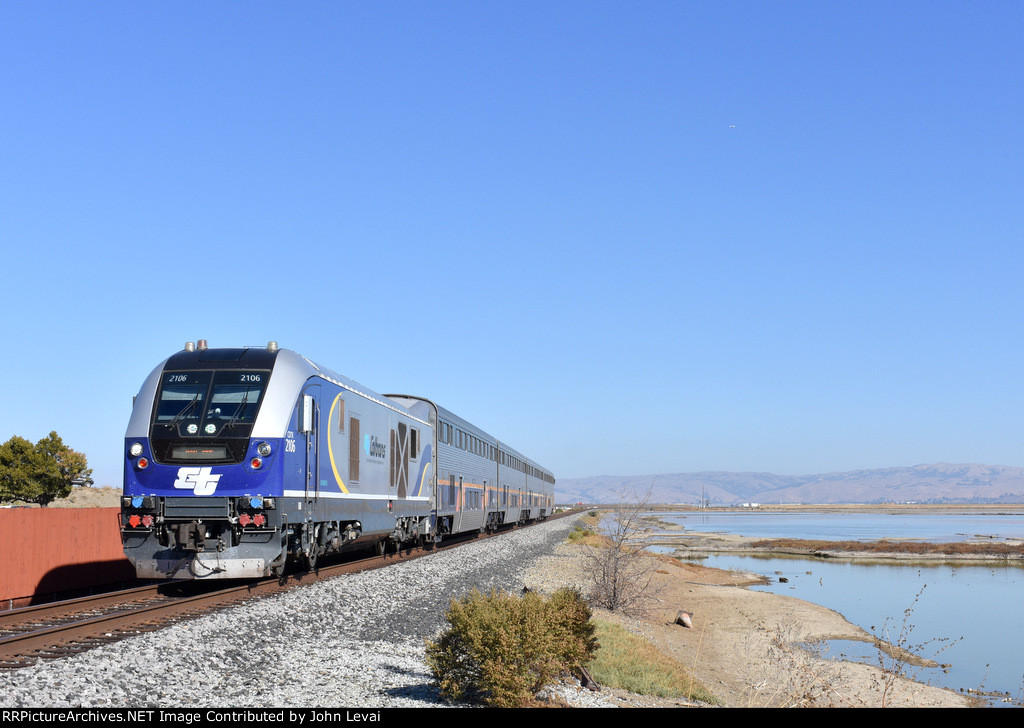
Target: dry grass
83	497
629	662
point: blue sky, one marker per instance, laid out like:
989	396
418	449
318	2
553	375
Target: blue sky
625	237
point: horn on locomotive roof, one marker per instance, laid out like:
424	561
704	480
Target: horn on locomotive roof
189	346
201	344
271	346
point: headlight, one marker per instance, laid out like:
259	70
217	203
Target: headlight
135	450
263	448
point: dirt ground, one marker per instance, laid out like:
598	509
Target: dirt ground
86	497
745	645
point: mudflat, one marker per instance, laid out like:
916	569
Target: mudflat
747	647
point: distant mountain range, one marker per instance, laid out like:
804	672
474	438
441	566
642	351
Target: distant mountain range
937	483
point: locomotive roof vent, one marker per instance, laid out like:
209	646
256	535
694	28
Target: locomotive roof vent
271	346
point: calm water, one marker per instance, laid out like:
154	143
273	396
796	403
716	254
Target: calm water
962	615
935	527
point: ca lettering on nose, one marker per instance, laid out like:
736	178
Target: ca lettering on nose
201	481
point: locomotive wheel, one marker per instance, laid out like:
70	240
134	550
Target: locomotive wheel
309	559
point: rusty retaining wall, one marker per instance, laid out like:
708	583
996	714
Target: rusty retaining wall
49	550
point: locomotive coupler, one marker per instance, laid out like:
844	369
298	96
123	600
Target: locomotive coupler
190	536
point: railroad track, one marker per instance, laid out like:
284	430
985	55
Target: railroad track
67	627
63	628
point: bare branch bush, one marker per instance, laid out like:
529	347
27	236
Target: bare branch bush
898	657
795	677
621	570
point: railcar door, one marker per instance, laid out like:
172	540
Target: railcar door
399	478
309	429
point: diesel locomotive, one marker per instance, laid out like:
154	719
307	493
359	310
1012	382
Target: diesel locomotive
241	461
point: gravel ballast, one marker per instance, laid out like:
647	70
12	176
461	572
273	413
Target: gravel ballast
355	640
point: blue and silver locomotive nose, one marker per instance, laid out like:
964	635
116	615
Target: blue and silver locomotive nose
199	487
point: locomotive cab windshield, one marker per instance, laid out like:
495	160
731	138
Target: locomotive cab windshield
206	415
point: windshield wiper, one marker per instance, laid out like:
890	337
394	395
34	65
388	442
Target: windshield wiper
184	411
238	410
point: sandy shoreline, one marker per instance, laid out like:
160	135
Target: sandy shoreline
745	646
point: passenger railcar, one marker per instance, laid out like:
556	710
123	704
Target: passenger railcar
481	483
238	461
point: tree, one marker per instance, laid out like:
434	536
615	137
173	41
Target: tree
39	473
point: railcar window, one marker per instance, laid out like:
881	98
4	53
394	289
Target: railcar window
341	416
414	443
448	492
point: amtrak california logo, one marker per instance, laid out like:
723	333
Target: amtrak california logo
374	447
200	480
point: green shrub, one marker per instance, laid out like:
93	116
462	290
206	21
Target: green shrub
501	649
578	533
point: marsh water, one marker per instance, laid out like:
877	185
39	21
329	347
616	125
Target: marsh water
961	616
